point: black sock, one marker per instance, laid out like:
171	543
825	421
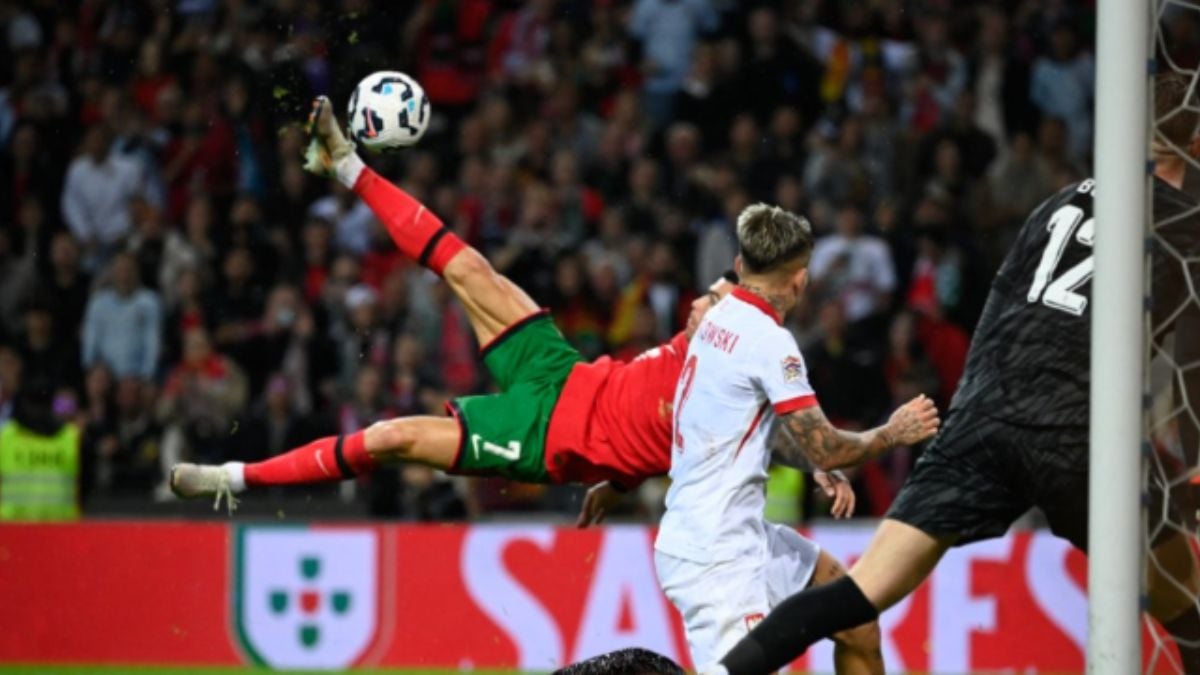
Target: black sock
1185	630
797	623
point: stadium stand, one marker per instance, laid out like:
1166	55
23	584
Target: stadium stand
190	293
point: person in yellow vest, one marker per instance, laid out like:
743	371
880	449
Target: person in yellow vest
39	460
785	495
786	488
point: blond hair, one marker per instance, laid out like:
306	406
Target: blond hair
770	237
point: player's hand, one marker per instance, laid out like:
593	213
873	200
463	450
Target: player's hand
837	487
914	421
598	501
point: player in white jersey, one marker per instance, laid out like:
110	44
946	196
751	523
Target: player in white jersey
718	560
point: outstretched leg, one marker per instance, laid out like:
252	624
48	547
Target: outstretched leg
493	303
856	650
432	441
896	561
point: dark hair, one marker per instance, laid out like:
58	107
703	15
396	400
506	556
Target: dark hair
630	661
770	237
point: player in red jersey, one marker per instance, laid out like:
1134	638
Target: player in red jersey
557	418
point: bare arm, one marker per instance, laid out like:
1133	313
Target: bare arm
806	437
836	485
599	500
783	448
814	441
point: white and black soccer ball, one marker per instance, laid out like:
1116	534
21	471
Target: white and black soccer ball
388	111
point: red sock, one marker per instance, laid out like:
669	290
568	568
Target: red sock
318	462
418	233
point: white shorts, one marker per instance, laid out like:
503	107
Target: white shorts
720	602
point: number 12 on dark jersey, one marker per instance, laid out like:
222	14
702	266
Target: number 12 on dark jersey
1059	293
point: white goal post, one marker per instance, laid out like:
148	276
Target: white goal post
1118	333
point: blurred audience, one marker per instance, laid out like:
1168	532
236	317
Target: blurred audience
96	198
854	267
122	326
186	291
201	400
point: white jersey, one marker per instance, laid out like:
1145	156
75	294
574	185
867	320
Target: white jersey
743	368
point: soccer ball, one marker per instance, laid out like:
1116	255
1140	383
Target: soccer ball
388	111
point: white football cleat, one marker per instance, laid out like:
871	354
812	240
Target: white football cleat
204	480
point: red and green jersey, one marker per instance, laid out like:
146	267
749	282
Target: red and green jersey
613	419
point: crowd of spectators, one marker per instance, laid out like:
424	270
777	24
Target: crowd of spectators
190	293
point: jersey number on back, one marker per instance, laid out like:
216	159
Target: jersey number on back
1060	293
685	380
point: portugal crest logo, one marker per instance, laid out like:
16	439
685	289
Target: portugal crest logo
307	598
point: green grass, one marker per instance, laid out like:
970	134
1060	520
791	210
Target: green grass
153	670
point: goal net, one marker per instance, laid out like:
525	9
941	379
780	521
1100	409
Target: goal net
1172	419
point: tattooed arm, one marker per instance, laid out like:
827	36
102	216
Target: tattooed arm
784	450
835	484
806	438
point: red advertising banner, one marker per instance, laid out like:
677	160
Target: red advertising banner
529	597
